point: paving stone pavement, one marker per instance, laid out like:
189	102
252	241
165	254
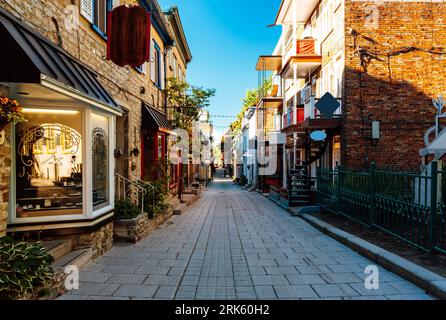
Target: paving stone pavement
235	244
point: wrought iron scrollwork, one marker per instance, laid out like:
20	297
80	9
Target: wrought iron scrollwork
30	135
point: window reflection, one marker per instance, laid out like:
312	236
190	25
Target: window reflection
49	165
100	168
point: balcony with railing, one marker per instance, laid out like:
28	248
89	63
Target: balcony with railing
312	112
322	113
301	59
269	68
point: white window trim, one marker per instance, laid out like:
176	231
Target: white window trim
111	166
87	184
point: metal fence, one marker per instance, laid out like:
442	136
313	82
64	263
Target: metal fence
407	205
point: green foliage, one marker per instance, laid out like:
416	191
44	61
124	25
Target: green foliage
155	198
217	152
251	98
125	209
187	101
24	267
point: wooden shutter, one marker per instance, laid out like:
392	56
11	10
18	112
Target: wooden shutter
86	9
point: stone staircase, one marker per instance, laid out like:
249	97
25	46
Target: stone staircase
298	187
65	255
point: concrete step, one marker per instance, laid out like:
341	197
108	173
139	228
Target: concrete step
58	248
179	209
174	202
79	258
190	198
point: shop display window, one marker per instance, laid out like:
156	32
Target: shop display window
49	163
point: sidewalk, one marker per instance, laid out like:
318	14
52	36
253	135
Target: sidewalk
234	244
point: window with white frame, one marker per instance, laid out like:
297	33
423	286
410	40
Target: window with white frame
338	74
96	12
157	64
100	160
54	178
49	178
325	20
101	8
174	66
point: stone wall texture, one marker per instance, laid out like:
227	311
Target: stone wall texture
395	89
5	169
100	241
134	230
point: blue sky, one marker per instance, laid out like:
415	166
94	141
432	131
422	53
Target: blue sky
226	37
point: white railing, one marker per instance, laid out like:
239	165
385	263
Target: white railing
148	185
311	112
127	189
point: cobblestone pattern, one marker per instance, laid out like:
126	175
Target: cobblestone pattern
233	244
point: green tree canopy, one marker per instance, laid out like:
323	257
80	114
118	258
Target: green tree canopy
186	101
251	98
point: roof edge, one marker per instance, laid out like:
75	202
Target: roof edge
174	12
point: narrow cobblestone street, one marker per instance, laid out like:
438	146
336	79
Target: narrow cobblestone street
234	244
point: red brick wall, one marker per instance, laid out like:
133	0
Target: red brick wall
397	91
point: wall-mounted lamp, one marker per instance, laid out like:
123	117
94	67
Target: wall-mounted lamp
134	152
118	153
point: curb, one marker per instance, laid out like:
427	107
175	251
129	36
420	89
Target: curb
431	282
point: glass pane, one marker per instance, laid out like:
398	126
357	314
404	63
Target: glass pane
100	161
49	163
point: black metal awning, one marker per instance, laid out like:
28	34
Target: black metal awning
155	119
27	57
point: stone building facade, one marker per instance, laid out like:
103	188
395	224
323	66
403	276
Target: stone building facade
60	22
393	70
56	20
178	59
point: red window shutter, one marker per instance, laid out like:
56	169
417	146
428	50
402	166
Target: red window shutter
128	36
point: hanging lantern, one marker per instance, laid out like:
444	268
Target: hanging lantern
128	36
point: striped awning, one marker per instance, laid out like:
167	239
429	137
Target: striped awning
155	118
28	57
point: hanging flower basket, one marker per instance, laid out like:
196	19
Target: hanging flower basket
10	111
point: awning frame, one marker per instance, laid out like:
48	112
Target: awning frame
37	60
158	119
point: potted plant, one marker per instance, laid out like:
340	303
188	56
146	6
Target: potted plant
10	111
